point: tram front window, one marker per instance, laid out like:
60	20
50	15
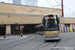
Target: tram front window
51	26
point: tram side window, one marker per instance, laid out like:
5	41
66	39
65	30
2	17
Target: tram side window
36	29
41	28
57	18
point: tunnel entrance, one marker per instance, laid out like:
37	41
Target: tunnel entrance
28	28
2	29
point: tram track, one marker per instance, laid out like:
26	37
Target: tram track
22	42
40	46
36	48
55	47
63	45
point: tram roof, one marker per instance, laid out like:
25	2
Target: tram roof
51	14
41	25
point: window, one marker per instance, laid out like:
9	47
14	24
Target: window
29	2
67	25
23	3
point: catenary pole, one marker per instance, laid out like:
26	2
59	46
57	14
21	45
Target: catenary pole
62	8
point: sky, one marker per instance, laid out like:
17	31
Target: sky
69	8
6	1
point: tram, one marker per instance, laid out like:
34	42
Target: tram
51	27
39	29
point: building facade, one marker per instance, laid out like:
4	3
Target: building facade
17	2
12	16
29	2
22	2
7	1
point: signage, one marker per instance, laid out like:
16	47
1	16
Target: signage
50	17
22	27
16	23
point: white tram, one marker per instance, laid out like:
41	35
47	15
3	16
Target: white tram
51	26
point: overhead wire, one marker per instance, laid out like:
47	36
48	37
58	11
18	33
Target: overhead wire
35	9
30	8
64	6
39	10
49	3
57	1
43	2
52	6
42	11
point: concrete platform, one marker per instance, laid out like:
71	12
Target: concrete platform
13	37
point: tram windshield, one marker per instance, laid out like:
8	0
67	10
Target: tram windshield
51	22
51	26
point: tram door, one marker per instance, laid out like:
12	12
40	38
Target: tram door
2	30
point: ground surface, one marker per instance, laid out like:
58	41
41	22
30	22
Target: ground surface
36	42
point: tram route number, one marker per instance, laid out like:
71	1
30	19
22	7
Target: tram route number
50	17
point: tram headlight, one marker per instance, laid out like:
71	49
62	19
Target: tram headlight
59	31
43	31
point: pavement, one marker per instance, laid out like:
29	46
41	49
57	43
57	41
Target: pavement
13	37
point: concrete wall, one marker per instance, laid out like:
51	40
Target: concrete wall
30	20
8	29
20	20
67	20
64	21
19	9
